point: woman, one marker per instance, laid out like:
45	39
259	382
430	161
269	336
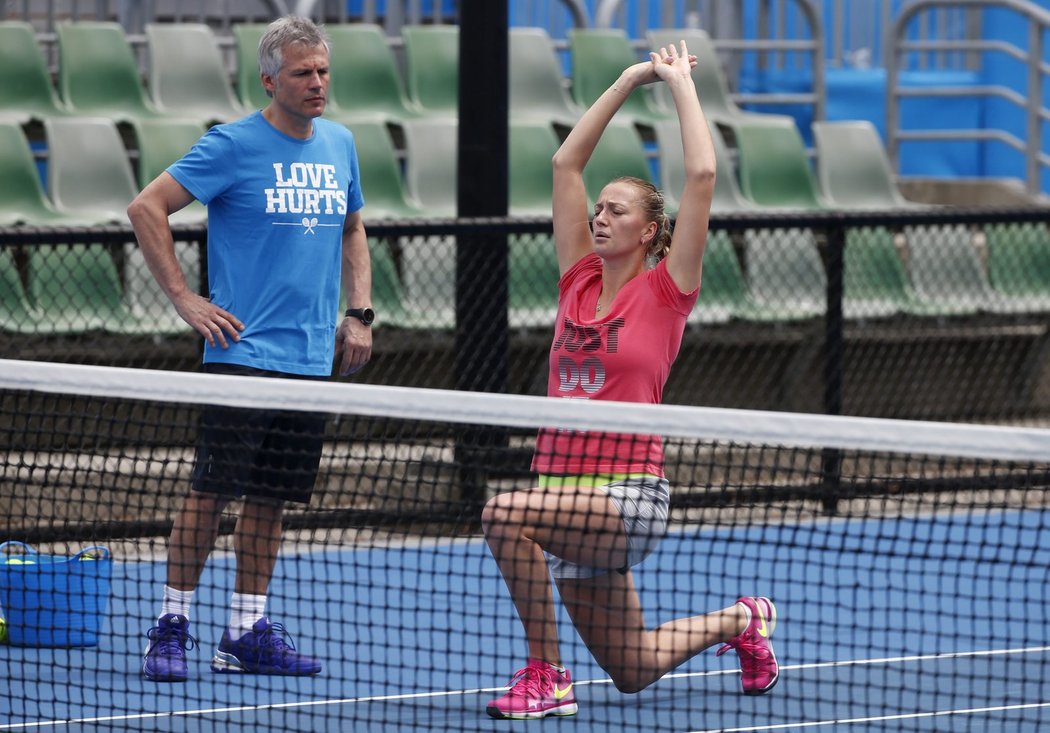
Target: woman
602	501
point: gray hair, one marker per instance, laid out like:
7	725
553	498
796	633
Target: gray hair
284	32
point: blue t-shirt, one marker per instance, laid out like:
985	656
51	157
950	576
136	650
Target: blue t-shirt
276	207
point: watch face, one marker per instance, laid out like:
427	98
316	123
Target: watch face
367	316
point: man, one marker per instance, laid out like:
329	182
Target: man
284	197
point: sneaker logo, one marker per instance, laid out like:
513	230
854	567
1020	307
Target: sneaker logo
560	693
763	630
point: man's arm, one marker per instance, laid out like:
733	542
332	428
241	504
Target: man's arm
353	338
149	213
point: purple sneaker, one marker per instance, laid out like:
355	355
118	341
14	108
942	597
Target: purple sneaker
262	650
165	656
759	671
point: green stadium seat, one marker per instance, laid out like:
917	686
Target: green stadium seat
1019	267
852	167
98	73
530	180
365	80
533	281
22	197
381	181
76	289
620	152
537	85
89	173
432	67
26	90
773	165
250	92
187	74
17	315
875	283
387	297
723	289
599	55
161	142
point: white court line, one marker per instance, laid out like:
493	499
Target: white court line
876	719
489	690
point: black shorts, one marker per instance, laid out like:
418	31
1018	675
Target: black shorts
261	453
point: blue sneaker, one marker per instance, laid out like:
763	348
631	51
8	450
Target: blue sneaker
165	656
262	651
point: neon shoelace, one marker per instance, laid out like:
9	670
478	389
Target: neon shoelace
534	681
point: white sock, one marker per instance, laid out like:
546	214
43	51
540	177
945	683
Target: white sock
176	601
245	610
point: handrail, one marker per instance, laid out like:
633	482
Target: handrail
606	11
897	44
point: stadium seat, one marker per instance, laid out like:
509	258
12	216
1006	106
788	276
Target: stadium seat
381	181
17	315
250	92
432	67
785	275
599	55
852	167
98	73
723	289
708	74
153	312
76	289
620	152
160	143
537	84
387	298
530	180
875	283
26	91
22	197
1019	267
187	74
533	281
727	196
431	164
946	272
89	174
773	165
366	82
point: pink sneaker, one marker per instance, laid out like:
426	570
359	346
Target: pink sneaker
537	691
758	665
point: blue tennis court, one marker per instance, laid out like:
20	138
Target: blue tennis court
927	624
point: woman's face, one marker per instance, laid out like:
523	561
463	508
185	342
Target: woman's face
619	225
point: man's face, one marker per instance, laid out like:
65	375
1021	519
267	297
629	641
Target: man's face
301	86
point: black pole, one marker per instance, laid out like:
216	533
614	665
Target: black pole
831	458
482	333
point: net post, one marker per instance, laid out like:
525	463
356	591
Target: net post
482	339
831	460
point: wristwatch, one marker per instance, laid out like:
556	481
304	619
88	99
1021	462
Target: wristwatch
365	315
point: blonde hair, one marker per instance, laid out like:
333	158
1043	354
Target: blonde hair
652	203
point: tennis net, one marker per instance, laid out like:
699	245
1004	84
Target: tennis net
908	560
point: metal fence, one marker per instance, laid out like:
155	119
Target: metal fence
925	313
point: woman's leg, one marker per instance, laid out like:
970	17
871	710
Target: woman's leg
607	613
578	524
